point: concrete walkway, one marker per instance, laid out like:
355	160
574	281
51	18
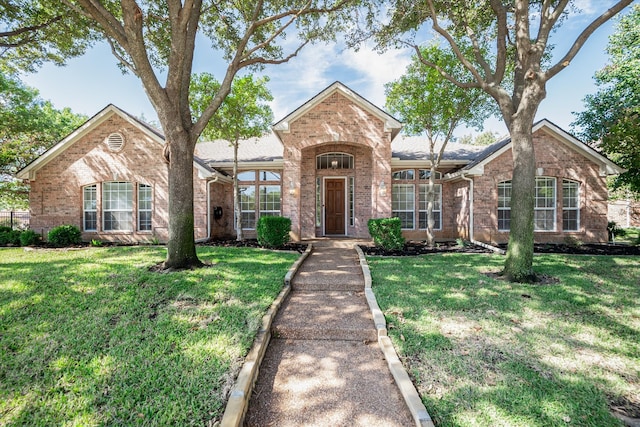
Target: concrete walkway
323	365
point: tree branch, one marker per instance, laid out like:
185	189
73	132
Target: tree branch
23	30
582	38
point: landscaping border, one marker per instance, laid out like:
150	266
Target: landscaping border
407	389
240	394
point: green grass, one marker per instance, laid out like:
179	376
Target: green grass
631	236
485	352
92	337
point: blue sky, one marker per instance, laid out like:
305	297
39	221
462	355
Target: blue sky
87	84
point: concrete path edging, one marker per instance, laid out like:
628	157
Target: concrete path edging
407	389
240	395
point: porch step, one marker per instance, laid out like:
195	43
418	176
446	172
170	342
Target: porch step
326	315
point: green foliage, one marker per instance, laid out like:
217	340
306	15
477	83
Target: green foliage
14	195
614	230
29	238
611	118
386	233
273	231
9	237
36	31
96	243
573	242
64	235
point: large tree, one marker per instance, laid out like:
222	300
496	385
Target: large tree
430	105
511	61
244	114
611	119
157	41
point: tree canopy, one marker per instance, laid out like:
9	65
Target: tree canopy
506	47
611	119
429	104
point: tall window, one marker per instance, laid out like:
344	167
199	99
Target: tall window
90	207
403	204
117	206
352	201
145	205
504	206
570	205
269	200
248	205
544	218
437	206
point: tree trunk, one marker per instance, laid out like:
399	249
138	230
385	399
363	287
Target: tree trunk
519	262
181	249
236	194
430	199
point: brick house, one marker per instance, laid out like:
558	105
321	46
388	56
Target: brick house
330	166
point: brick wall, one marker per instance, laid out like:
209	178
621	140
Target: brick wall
553	159
56	193
336	125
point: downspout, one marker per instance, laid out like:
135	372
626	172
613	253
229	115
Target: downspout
215	179
463	176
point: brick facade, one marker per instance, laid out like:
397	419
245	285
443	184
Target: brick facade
335	121
553	159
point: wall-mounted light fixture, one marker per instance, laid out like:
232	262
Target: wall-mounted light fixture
383	189
334	164
292	187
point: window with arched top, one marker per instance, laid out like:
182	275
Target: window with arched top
334	161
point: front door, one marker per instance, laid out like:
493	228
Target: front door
334	199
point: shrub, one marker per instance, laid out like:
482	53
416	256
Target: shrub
386	233
614	231
29	238
64	235
9	237
273	231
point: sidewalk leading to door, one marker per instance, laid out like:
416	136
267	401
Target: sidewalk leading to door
323	365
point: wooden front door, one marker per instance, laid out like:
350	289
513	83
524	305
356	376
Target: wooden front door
334	200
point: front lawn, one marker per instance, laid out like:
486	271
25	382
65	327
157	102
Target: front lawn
485	352
92	337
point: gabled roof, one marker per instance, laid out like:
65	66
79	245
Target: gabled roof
265	149
28	172
390	123
476	167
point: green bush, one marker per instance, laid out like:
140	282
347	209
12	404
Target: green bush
29	238
273	231
386	233
9	237
64	235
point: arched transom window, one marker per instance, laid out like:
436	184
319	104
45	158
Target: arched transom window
334	161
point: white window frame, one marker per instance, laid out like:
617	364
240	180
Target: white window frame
120	206
437	206
247	208
504	204
406	205
570	203
403	175
90	206
269	206
145	206
545	204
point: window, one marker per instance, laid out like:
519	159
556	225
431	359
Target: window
117	206
544	215
318	202
570	205
504	206
423	174
247	176
269	176
144	207
403	204
334	161
437	206
90	207
405	174
247	205
352	201
269	200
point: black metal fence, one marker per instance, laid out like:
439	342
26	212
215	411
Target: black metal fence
18	220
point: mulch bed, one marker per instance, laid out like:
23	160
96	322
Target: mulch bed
253	243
